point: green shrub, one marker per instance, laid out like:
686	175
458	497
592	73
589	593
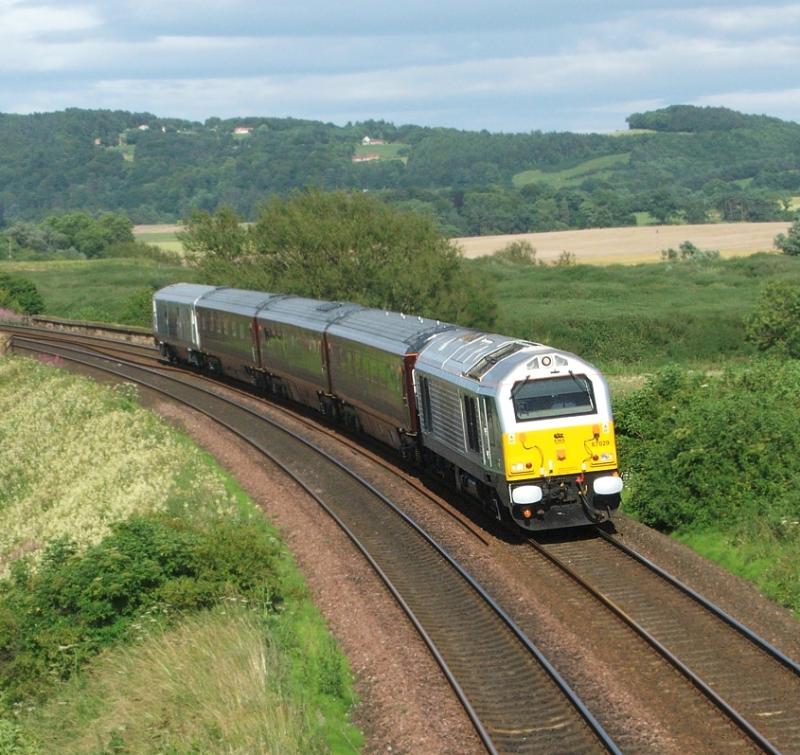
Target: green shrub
789	243
138	309
702	450
775	322
20	294
57	617
714	459
517	253
689	252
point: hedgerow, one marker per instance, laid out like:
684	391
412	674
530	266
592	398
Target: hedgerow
718	453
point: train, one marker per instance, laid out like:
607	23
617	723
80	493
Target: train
522	428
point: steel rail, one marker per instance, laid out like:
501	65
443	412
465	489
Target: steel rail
756	639
738	719
62	334
550	670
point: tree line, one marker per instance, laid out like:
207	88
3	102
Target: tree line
692	165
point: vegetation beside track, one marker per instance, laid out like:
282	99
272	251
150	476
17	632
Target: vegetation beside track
100	290
628	320
632	319
141	586
713	460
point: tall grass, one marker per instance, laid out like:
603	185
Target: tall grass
150	607
76	457
210	685
638	317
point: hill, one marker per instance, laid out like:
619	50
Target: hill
679	164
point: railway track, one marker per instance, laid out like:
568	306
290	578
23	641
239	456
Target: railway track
748	680
751	689
516	699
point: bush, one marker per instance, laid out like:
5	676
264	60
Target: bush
688	252
565	259
518	253
712	451
775	322
789	243
54	619
138	309
20	294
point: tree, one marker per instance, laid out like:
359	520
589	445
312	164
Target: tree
775	322
790	243
339	245
89	235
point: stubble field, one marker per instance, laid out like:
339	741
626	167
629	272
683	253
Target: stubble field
635	244
593	246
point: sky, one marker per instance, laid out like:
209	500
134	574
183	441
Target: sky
500	65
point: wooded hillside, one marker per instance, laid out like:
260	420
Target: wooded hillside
679	164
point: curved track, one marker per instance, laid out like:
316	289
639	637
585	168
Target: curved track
752	683
752	690
516	699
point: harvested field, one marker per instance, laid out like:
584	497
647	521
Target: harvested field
599	246
140	230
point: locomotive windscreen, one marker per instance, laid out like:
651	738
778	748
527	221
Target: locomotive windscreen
553	397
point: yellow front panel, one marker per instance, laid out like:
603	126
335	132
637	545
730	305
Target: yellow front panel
559	451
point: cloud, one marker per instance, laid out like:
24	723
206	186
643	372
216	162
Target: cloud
503	65
782	102
19	20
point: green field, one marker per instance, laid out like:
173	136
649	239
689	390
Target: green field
384	151
96	289
167	240
626	318
635	318
596	168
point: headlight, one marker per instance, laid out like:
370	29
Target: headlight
525	495
607	485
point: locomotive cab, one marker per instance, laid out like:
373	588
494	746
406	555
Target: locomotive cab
527	428
559	449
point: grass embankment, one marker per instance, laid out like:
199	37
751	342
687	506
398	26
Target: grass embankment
145	605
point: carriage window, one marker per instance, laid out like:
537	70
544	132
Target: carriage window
427	414
471	422
553	397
